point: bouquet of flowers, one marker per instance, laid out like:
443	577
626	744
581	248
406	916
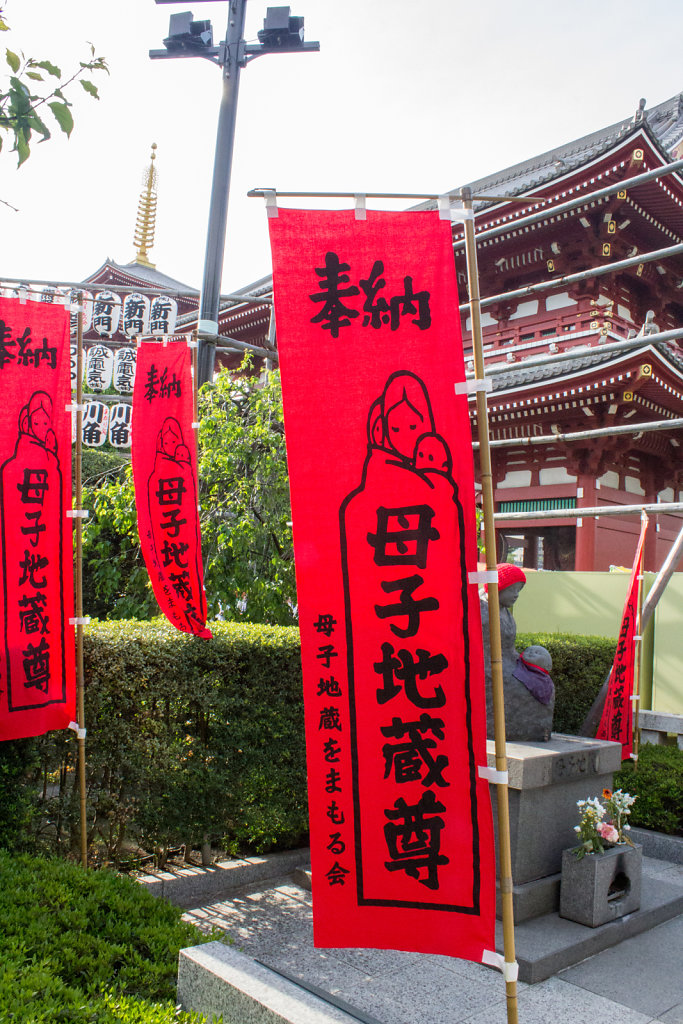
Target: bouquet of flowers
603	822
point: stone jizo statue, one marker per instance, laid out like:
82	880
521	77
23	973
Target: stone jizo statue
527	686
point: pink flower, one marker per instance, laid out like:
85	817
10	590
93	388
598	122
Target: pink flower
608	832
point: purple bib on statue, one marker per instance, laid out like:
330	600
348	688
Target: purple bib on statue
536	680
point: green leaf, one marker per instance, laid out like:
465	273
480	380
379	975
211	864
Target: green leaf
62	116
21	146
13	60
39	126
35	76
51	69
90	88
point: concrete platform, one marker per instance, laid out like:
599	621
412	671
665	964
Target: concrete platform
548	944
270	923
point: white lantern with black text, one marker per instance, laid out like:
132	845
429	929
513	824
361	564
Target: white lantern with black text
73	353
95	424
135	315
87	311
47	293
124	370
163	315
99	366
120	416
107	313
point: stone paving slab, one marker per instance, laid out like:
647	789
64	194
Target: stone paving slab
659	956
553	1002
274	925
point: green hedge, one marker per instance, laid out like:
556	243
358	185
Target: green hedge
657	781
87	947
190	740
187	740
580	666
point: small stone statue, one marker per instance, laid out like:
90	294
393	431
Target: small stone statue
528	689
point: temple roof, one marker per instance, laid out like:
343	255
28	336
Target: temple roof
663	123
581	361
148	277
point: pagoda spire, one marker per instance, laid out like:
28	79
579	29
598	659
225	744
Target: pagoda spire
147	212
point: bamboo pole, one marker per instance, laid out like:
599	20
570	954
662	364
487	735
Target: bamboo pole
504	854
80	681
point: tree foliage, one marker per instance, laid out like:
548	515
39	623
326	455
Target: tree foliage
246	531
34	87
245	514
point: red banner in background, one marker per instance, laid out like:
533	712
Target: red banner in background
37	663
381	478
164	457
616	723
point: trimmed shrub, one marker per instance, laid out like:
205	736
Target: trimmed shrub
188	740
18	767
580	666
657	781
191	741
88	947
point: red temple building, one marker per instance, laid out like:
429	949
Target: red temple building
550	353
586	385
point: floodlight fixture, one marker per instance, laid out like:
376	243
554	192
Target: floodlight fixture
280	30
184	33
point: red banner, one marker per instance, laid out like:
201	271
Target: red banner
164	456
37	663
381	479
616	723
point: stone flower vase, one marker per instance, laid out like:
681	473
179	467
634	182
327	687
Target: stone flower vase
601	886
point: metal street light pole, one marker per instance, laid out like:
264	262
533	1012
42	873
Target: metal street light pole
281	33
220	189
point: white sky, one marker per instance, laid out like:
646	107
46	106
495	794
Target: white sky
403	97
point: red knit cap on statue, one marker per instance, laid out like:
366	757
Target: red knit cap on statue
509	574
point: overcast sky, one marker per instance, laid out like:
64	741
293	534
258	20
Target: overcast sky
403	97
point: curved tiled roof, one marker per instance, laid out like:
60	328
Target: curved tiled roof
577	360
147	276
663	123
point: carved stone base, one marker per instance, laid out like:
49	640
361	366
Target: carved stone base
545	782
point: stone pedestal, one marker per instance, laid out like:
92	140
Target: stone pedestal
545	782
601	886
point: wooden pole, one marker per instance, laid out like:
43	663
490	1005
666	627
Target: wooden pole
80	685
504	855
638	655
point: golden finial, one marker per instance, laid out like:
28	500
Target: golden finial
147	211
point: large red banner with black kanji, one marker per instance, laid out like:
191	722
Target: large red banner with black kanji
164	457
381	478
616	723
37	657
